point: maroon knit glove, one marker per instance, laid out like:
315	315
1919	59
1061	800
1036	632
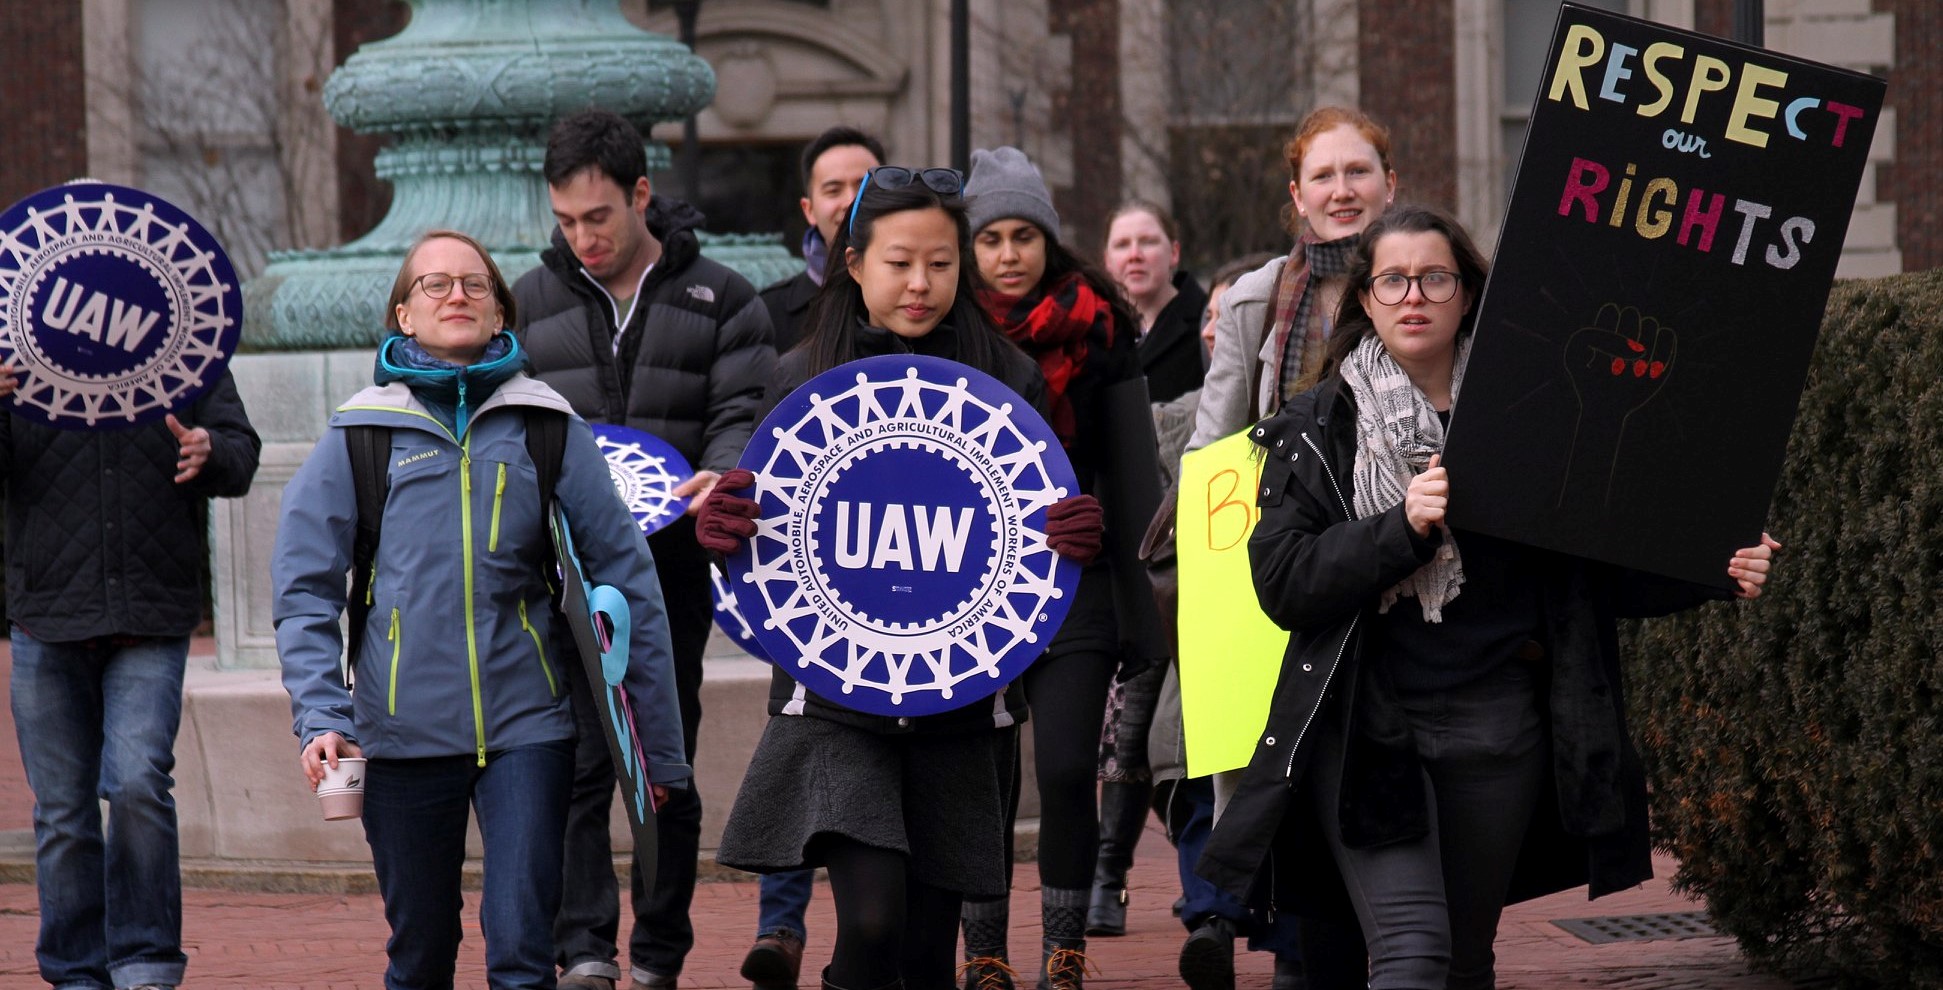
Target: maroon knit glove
1076	528
726	520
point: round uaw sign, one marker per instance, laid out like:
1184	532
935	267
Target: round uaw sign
645	470
116	308
900	564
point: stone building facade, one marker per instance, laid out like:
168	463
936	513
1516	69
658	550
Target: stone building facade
1184	101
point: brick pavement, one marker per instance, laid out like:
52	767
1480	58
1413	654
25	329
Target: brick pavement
327	942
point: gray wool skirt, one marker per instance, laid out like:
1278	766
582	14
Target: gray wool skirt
939	799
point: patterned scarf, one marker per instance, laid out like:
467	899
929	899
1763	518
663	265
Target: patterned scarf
1295	306
1397	431
1051	325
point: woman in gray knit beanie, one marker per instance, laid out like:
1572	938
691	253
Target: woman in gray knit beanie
1071	319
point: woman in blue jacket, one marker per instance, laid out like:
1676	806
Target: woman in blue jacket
461	698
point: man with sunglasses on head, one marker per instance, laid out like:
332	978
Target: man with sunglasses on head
628	321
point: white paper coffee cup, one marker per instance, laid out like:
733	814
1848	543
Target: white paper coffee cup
342	790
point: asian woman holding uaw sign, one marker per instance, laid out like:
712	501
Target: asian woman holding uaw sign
907	814
1449	712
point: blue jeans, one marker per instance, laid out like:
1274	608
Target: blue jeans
415	820
785	897
97	720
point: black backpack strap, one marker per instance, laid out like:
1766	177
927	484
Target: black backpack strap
370	448
546	443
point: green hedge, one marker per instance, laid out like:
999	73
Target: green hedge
1794	744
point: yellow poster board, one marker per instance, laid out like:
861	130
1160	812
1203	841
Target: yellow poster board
1230	652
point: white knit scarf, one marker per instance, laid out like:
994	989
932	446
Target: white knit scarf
1397	432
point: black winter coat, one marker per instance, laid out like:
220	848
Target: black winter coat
788	302
1170	353
1319	573
693	361
1020	374
100	538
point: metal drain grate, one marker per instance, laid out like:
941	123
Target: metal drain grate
1639	927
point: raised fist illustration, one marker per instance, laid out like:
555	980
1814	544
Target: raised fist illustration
1619	363
1616	366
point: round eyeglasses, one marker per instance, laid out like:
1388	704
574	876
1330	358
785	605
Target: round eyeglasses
438	285
1390	288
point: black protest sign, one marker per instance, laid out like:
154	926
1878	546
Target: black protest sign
1642	344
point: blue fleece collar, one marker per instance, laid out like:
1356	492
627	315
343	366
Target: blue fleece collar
449	390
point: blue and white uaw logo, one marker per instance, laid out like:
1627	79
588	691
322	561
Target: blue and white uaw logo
900	564
645	470
116	308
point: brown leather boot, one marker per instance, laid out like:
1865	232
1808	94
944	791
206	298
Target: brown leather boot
775	961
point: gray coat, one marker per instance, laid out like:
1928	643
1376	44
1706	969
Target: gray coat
693	360
1242	362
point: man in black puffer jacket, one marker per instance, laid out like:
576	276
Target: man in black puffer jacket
104	559
629	322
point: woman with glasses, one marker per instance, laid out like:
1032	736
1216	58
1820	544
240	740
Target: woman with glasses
1450	712
907	814
460	694
1070	318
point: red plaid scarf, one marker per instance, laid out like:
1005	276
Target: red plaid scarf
1051	325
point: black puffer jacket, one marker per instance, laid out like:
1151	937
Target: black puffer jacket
100	538
693	360
1319	573
1008	707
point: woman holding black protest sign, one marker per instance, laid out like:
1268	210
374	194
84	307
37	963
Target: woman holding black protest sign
907	813
1450	712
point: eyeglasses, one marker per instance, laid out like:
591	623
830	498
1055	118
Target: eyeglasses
1390	288
943	181
438	285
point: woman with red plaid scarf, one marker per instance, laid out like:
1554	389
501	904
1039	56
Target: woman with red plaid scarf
1071	319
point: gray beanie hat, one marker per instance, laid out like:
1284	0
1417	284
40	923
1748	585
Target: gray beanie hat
1005	184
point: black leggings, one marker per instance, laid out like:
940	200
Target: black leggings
1068	698
888	925
1067	693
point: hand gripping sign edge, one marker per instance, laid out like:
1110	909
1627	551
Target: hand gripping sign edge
116	307
955	592
645	470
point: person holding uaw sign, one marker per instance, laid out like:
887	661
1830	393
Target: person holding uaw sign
907	812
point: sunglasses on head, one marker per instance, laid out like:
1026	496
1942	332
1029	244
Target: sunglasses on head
943	181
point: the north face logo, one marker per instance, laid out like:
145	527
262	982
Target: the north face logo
702	293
